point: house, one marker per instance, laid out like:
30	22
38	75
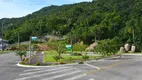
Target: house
3	44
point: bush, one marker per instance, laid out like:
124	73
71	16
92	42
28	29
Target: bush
79	46
37	63
85	57
77	54
62	62
52	40
57	58
35	47
23	47
80	62
13	48
21	53
70	59
108	47
23	62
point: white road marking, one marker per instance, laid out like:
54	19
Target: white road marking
28	73
91	79
76	77
62	75
45	74
41	68
34	69
92	66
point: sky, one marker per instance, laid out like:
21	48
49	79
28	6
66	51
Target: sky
20	8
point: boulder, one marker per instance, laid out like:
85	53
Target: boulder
122	49
127	47
91	47
133	48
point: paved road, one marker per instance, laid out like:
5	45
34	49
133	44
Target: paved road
125	68
8	68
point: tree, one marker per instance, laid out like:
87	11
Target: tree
100	19
108	47
21	53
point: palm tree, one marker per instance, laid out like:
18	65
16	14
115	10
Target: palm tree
21	53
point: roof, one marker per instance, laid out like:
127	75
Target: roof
3	40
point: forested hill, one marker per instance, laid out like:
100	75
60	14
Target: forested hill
100	19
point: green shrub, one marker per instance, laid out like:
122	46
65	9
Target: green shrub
23	47
14	47
76	54
37	63
62	62
85	57
52	40
21	53
57	58
79	46
80	62
23	62
70	59
108	47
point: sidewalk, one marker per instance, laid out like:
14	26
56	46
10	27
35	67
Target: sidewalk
38	57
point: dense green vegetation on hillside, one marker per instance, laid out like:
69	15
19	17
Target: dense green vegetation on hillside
87	21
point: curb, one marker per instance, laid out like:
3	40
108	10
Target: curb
30	66
133	54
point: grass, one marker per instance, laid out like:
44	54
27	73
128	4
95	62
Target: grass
6	51
51	52
48	57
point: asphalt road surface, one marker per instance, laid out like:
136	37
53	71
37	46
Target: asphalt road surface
125	68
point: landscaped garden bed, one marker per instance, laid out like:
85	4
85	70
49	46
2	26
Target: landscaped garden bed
53	57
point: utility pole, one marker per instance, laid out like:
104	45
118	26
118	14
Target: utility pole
59	50
2	40
30	51
133	36
18	40
71	42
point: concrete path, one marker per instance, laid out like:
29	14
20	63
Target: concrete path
37	58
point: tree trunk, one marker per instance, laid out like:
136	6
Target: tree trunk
21	58
133	36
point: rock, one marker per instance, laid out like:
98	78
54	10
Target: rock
127	47
92	46
122	50
133	48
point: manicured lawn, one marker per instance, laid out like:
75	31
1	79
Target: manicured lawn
48	57
51	52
